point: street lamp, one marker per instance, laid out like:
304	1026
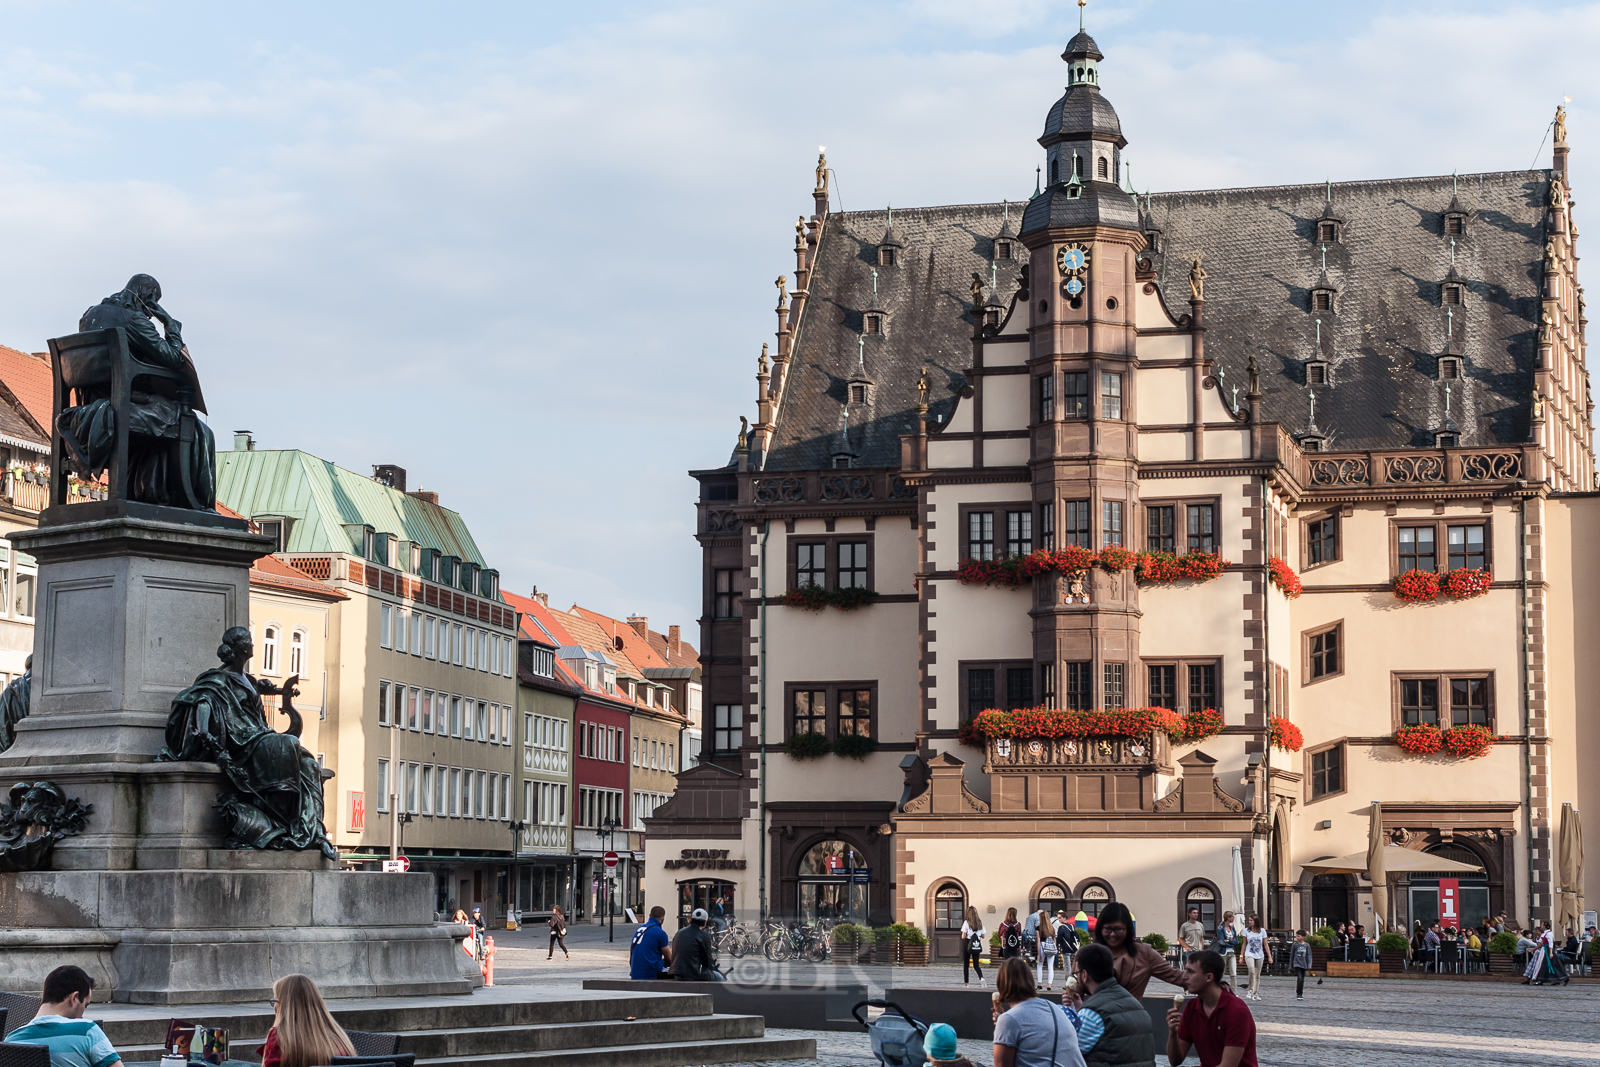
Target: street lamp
516	826
606	828
400	821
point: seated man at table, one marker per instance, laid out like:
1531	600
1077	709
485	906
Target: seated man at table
73	1041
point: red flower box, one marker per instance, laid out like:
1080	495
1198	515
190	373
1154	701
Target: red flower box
1283	576
1025	723
1413	586
1467	742
1116	558
1463	583
1423	740
1165	567
1201	725
1285	734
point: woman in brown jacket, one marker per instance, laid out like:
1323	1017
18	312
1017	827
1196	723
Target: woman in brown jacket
1136	962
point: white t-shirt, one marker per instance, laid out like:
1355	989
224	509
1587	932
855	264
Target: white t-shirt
968	933
1255	944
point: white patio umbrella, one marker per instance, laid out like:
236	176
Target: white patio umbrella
1238	883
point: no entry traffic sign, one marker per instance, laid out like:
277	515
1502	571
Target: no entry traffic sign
611	861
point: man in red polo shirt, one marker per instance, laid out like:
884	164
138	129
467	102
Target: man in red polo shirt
1215	1023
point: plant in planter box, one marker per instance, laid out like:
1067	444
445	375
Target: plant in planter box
1116	558
854	746
1464	583
807	598
1416	586
1392	952
1157	942
1421	740
1392	942
1285	734
853	597
1283	577
914	947
807	746
1202	724
1467	742
1316	941
1502	953
1326	933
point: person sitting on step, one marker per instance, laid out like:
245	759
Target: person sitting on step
73	1041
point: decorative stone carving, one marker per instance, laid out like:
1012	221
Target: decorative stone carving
1415	469
900	489
778	490
846	487
1403	837
1041	752
1494	466
38	815
1173	799
1228	801
1339	472
723	522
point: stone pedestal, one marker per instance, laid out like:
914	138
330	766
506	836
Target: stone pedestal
130	610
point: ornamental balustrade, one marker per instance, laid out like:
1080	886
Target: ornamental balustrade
1141	751
1423	467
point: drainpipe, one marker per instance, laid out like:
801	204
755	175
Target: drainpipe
761	715
1524	712
1266	676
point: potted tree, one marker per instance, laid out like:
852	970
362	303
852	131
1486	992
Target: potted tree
845	939
887	949
1503	953
914	947
1392	952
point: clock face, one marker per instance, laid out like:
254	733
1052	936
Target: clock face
1073	259
1073	287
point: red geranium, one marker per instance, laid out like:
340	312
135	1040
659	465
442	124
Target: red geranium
1166	567
1283	576
808	597
1464	583
1026	723
1285	734
1116	558
1467	742
1415	585
1423	740
1200	725
1009	570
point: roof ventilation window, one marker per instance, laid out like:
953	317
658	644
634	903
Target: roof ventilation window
1328	232
1102	169
1002	250
1446	439
1450	294
1313	443
1449	368
890	246
1317	371
1455	224
1322	299
873	322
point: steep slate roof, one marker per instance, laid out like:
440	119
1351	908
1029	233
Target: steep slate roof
1388	325
325	497
927	300
1261	258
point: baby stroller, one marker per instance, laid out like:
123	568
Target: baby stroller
896	1038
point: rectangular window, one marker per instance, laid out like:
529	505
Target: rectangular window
1019	533
494	723
1466	547
441	798
383	785
852	565
1114	697
505	724
1075	395
412	772
1160	534
432	649
427	790
385	625
1163	678
810	711
401	625
1327	772
1322	540
483	711
416	634
471	638
1419	701
1110	395
1047	685
477	794
455	644
1047	526
507	663
383	703
413	713
1324	653
494	793
1047	398
1417	548
727	595
855	713
466	719
1202	686
1202	528
980	690
1111	522
457	794
1019	687
811	565
427	711
1079	693
980	535
1469	701
1077	531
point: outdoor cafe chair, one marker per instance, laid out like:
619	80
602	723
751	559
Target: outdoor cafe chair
20	1055
398	1059
367	1043
16	1009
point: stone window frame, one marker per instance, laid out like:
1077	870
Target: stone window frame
1183	900
1441	538
933	898
1180	519
830	556
1311	795
1443	678
1306	637
999	508
999	666
1078	890
1450	369
1337	515
831	688
1182	663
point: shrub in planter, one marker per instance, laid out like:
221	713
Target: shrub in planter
807	597
914	947
855	747
807	746
1157	942
1504	943
852	598
845	934
1326	933
1316	941
1392	942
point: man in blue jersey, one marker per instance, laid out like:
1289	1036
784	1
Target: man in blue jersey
652	948
60	1026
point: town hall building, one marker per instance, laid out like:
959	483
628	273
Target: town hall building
1299	470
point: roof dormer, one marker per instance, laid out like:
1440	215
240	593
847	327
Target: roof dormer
1452	291
1005	242
890	246
1454	218
1330	224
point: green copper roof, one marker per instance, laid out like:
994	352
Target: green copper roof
326	499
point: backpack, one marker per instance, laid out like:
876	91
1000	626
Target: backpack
1013	938
975	941
1066	939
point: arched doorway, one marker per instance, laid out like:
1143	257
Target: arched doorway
1330	900
949	910
833	883
1472	889
1051	897
1203	896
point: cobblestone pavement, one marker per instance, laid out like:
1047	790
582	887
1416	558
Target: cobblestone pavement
1359	1022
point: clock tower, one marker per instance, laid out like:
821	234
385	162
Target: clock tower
1082	233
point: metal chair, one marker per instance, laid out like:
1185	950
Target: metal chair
20	1055
100	364
367	1043
1449	957
16	1009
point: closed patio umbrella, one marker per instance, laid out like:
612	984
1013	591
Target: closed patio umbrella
1377	869
1570	870
1238	882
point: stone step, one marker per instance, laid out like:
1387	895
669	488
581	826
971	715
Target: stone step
672	1054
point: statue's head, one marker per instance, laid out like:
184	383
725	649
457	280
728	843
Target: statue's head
236	644
32	800
146	288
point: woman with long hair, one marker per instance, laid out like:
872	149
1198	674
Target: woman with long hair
303	1033
1135	961
972	944
1045	949
1027	1028
1257	954
1010	936
558	934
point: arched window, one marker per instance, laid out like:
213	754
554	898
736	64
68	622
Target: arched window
949	907
1052	897
297	652
269	650
1094	899
1055	171
828	883
1203	897
1102	170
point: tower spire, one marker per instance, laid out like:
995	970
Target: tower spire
1081	5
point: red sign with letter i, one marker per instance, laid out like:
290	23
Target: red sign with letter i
1450	901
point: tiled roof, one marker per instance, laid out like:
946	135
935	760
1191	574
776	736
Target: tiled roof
272	573
637	649
1261	257
540	623
685	657
28	377
592	636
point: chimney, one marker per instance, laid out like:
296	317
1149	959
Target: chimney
427	496
244	441
543	598
392	476
641	625
674	640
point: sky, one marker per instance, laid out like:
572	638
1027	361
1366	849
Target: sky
526	251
